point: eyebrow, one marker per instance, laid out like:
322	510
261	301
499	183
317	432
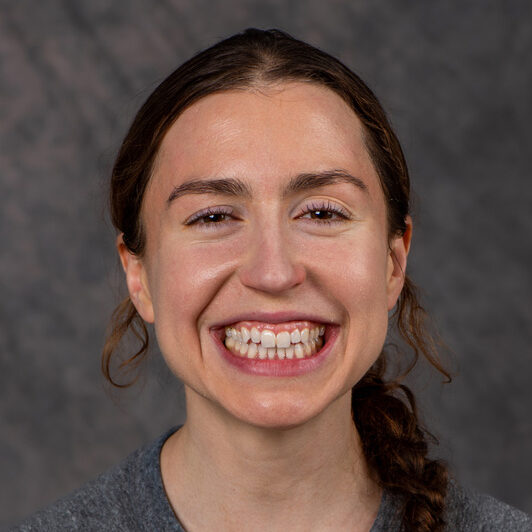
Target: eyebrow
312	180
225	187
235	187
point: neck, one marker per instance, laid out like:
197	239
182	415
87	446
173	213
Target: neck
281	479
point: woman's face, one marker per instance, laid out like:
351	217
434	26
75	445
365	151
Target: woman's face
264	217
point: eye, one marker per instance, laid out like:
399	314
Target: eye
212	216
324	212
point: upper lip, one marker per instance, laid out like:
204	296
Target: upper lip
272	317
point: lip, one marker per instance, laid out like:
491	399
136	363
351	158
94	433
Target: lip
277	368
272	317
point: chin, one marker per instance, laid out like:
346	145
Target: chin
276	411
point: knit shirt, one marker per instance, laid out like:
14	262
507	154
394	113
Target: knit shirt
131	497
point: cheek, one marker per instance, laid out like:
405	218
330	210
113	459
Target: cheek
353	276
353	269
184	280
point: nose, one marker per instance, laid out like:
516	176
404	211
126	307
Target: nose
271	263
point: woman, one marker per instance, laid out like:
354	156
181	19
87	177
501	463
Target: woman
262	205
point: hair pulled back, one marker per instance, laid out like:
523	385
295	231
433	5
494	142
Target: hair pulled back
384	409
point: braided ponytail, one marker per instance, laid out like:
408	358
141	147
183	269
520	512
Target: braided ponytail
384	411
394	443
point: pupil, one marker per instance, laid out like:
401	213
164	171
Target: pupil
322	215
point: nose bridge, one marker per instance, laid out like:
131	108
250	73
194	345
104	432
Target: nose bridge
271	263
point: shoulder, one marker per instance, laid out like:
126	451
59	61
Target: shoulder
465	511
123	498
468	511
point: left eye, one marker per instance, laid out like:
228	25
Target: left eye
214	218
322	214
327	213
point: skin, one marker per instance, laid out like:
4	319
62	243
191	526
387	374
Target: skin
250	440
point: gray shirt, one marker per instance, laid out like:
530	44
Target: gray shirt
131	497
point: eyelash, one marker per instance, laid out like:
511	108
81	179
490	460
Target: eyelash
331	208
328	207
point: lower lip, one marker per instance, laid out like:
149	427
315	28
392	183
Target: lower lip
276	367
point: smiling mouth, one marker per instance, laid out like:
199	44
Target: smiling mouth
286	341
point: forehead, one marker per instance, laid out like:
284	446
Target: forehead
272	132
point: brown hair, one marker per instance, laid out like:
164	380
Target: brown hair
394	443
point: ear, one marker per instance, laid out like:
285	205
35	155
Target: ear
397	258
137	282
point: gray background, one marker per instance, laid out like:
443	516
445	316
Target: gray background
455	77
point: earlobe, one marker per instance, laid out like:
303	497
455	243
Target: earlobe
397	260
136	279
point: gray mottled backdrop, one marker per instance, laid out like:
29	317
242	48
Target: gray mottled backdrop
456	78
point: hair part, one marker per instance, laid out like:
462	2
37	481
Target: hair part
384	411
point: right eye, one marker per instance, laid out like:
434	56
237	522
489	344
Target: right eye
211	217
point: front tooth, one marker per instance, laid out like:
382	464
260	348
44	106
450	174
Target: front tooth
283	339
281	353
295	336
245	335
289	351
263	352
255	335
304	335
298	351
252	350
267	339
271	352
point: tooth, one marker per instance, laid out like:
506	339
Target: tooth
313	346
322	330
267	339
295	336
229	342
255	335
304	335
281	353
271	353
307	349
237	335
316	333
252	350
298	351
289	351
263	352
236	348
243	349
245	335
283	339
228	332
319	342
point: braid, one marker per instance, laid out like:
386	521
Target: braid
394	443
396	449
